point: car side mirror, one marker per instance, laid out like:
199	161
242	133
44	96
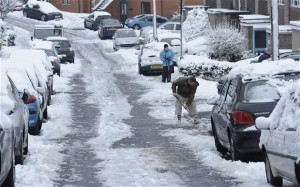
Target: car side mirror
262	123
41	90
57	46
213	100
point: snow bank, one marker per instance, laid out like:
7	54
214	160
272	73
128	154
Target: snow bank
196	24
44	6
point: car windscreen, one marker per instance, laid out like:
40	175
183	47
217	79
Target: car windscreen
260	91
111	22
169	41
50	53
125	34
62	43
44	33
99	18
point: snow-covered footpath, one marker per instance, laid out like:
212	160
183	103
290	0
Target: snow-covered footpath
44	157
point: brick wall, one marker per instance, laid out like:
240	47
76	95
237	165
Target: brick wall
285	41
243	4
281	14
263	7
294	14
211	3
251	6
295	40
75	6
227	4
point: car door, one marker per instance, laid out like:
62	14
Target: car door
89	21
177	27
148	21
217	113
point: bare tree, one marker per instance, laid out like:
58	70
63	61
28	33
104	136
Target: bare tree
6	6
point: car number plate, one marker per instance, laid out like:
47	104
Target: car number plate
112	29
156	67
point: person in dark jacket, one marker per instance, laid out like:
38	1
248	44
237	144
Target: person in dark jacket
167	56
184	89
265	56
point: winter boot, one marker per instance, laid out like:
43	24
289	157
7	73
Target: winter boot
178	119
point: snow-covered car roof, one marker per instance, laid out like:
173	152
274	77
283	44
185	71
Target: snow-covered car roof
44	6
155	46
20	77
168	35
6	103
60	38
42	45
101	13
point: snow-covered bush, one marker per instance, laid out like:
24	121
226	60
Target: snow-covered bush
226	42
203	66
7	34
196	24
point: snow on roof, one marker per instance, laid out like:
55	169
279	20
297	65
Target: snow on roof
253	17
44	6
42	45
57	38
224	10
282	29
6	103
295	23
265	68
101	13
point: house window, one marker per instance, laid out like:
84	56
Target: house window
66	2
146	9
281	2
295	3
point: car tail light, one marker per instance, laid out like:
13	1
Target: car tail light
242	118
31	99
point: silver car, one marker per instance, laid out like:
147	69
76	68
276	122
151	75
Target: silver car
125	38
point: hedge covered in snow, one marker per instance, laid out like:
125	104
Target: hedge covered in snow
196	24
203	66
7	34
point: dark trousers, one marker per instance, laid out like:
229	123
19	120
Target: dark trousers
167	71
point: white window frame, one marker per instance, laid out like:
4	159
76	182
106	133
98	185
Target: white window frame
295	3
281	2
66	2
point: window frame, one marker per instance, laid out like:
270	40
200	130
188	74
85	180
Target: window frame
66	2
295	3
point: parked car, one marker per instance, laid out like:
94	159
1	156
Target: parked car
149	59
64	48
280	139
171	26
19	6
174	40
93	20
108	27
36	102
241	100
51	52
18	114
125	38
7	156
43	11
41	32
290	55
144	21
37	66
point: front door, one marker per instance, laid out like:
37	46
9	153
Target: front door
123	12
146	8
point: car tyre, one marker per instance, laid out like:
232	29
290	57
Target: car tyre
136	27
20	158
10	178
274	181
43	18
220	148
26	148
45	113
235	155
35	130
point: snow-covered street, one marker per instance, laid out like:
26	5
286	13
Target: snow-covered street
110	126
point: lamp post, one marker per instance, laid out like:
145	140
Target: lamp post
181	37
154	21
275	30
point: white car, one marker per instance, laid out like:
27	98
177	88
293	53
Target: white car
171	26
280	139
125	38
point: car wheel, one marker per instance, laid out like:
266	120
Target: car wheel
235	155
25	14
136	27
43	18
218	145
45	113
274	181
26	148
20	158
35	130
10	179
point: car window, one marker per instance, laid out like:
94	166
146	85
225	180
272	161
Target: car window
160	20
110	22
91	16
231	93
260	91
149	19
125	34
178	26
62	43
168	26
223	92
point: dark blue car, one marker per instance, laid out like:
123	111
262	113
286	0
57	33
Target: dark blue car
146	20
108	27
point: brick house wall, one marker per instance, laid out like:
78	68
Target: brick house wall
285	40
211	3
80	6
294	14
295	40
227	4
281	14
263	7
251	6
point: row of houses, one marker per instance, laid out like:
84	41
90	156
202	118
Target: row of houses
253	16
